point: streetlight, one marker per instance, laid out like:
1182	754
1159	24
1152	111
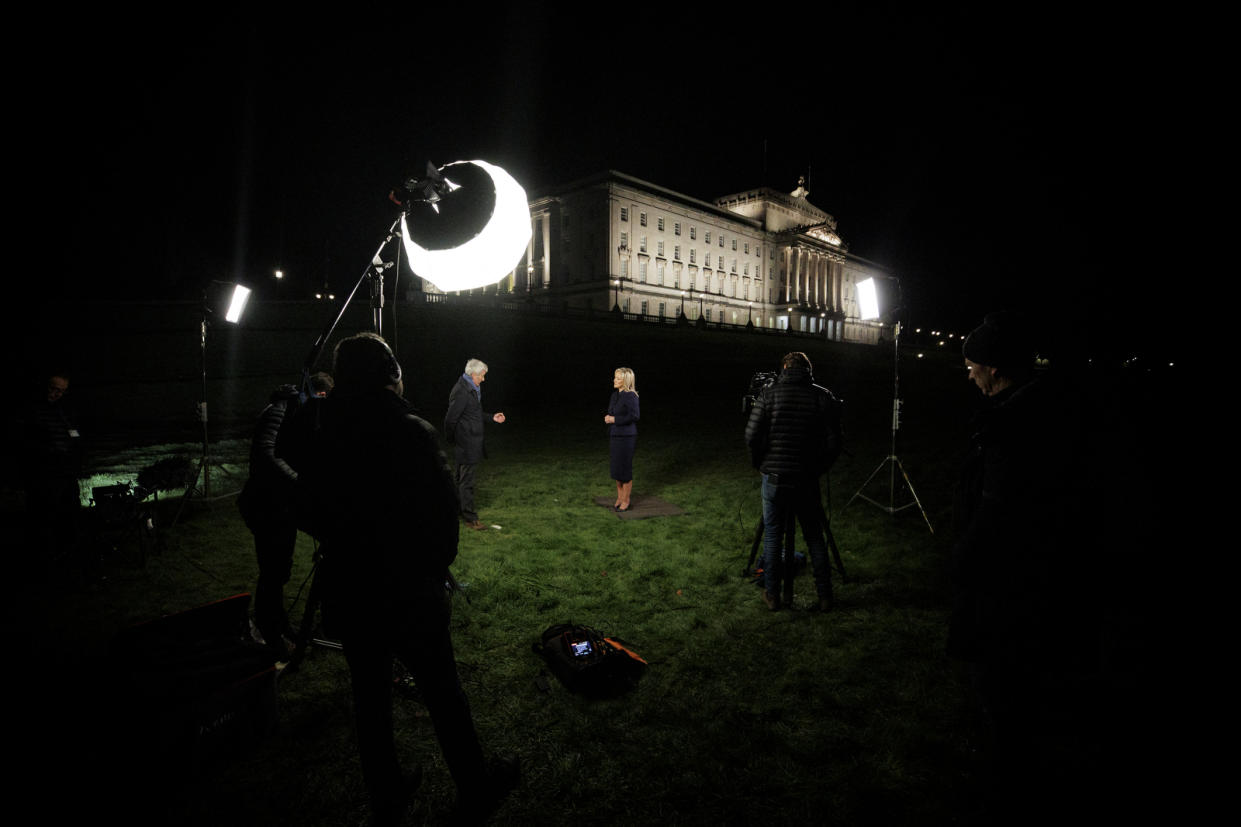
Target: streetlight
616	292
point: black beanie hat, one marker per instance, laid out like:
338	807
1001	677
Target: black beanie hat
1001	341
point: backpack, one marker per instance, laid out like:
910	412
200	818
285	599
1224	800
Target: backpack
588	663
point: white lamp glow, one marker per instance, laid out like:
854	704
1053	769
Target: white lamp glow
868	299
488	256
237	304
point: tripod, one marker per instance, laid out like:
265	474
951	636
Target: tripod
892	460
787	548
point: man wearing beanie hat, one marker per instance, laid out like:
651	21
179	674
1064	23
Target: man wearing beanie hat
384	505
998	353
1021	515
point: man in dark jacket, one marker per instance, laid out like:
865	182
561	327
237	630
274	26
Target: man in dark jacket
267	506
383	503
1025	580
463	427
793	436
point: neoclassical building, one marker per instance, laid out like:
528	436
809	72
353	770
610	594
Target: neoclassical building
760	257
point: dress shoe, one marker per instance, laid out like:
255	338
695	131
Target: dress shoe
477	525
771	601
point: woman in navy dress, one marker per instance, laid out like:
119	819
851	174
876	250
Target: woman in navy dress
622	420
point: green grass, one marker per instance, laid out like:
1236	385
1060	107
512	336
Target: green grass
743	716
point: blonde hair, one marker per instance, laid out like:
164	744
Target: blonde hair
627	379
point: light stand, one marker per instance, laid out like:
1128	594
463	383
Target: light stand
237	304
892	460
489	252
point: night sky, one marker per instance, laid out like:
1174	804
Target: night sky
974	158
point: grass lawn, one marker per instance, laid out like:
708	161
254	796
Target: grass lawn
744	716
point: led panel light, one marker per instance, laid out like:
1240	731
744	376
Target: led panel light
237	304
868	299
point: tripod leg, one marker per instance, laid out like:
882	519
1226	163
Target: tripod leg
307	627
790	571
757	544
915	496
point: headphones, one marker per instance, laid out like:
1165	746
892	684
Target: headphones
394	367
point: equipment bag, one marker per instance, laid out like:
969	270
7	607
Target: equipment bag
587	662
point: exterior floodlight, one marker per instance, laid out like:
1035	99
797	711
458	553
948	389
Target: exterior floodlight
474	235
868	298
237	304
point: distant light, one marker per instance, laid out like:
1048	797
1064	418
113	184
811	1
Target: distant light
279	274
919	355
941	342
237	304
917	330
331	296
868	298
318	295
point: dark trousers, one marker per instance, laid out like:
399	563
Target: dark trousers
465	491
784	499
419	637
273	546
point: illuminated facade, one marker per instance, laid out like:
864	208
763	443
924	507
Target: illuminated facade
764	257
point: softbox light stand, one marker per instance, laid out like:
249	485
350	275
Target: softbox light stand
893	461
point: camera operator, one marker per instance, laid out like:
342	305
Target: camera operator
381	499
794	436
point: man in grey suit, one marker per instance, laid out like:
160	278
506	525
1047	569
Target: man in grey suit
463	426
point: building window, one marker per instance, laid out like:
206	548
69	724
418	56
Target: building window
661	223
642	244
660	249
692	255
676	228
624	241
708	237
707	314
707	260
624	268
734	267
747	248
644	307
624	213
625	304
659	269
642	271
693	233
746	269
722	240
661	310
642	218
734	245
676	252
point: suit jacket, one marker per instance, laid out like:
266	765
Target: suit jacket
463	424
623	406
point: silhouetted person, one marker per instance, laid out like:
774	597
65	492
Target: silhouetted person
383	503
267	505
1024	574
49	449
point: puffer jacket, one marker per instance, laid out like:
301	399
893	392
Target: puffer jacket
794	426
